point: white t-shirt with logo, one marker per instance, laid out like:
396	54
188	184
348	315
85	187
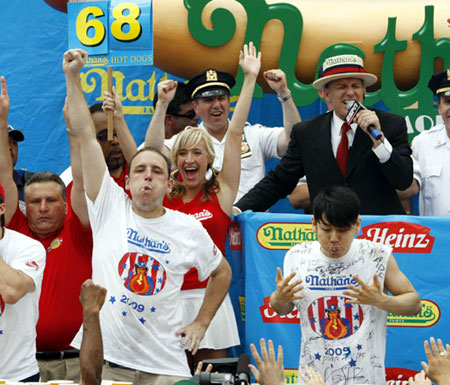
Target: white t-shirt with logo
344	342
18	321
141	262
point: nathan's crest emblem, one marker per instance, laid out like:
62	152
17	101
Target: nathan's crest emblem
333	319
142	274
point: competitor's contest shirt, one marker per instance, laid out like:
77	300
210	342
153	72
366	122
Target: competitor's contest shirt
344	342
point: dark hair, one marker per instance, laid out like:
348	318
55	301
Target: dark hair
181	97
97	107
151	149
340	205
46	176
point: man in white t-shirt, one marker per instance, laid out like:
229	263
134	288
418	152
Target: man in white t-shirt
339	286
141	253
22	262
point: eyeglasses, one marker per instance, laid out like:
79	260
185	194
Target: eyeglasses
190	115
102	136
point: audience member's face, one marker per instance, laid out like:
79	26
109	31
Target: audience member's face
335	241
213	111
444	110
45	207
13	149
192	164
342	90
111	149
148	181
178	122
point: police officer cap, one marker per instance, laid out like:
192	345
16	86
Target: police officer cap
440	83
210	83
17	135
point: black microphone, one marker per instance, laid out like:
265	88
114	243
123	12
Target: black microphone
353	107
242	370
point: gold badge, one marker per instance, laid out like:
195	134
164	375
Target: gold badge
245	148
211	76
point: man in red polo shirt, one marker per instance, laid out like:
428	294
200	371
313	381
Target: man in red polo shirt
67	239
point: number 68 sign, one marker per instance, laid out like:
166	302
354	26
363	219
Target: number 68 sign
114	33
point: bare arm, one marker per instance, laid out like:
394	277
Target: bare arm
92	160
92	298
216	290
155	131
282	298
404	299
6	166
77	197
299	198
14	284
127	144
277	81
250	62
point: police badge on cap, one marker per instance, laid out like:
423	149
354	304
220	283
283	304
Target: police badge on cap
210	83
440	83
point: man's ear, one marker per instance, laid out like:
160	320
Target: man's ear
314	225
127	182
170	186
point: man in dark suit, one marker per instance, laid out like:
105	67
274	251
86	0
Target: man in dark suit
373	168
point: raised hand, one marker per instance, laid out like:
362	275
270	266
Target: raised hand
438	366
166	90
250	60
4	100
276	79
74	60
92	296
268	370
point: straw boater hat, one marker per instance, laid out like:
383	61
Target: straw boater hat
343	66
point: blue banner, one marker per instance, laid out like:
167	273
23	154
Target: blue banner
259	242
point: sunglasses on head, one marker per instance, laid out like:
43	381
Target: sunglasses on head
102	136
189	114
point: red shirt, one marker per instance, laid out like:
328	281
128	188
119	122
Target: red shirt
68	265
214	220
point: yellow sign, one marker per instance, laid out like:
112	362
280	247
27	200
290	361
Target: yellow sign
428	316
282	236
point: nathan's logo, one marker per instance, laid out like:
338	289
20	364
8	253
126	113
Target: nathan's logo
269	315
316	282
403	237
147	243
282	236
234	235
428	316
202	215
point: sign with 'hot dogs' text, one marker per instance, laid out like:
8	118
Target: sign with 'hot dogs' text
114	33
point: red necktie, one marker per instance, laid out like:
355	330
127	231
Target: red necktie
342	151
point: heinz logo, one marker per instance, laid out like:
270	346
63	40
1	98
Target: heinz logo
282	236
271	316
234	235
403	237
428	316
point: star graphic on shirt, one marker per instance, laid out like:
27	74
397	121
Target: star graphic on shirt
167	262
356	328
160	280
124	266
153	309
112	299
1	331
352	362
124	313
155	267
142	320
312	320
356	316
317	356
157	290
348	305
359	347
